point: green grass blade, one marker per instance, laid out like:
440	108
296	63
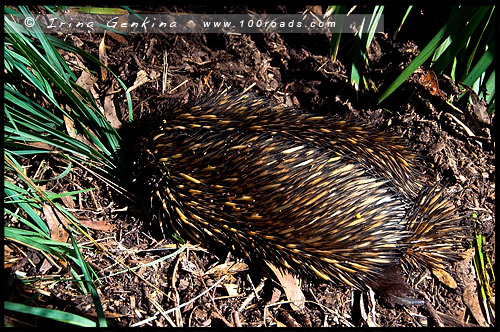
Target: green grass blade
459	41
489	94
441	49
53	57
480	39
402	21
33	61
101	11
358	63
89	283
53	196
57	315
450	28
19	195
24	103
372	27
481	66
37	241
340	11
106	139
26	222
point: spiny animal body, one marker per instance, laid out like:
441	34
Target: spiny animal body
309	193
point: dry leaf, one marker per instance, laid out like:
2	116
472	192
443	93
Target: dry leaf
100	225
117	37
110	111
471	300
465	269
46	265
479	107
9	258
86	80
275	296
76	41
55	219
68	202
445	277
70	126
291	286
142	78
232	289
227	268
103	57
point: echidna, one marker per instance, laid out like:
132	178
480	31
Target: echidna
308	193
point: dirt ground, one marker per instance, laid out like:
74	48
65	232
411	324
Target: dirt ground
295	70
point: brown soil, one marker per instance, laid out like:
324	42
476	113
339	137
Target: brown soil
294	70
